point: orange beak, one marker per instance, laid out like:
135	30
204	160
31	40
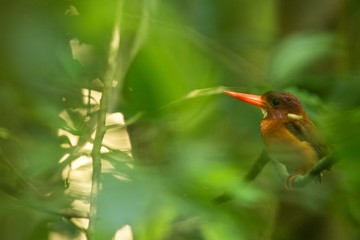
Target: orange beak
248	98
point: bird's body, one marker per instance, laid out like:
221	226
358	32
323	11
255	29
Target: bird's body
289	135
298	156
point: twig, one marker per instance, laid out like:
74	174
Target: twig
140	36
235	62
20	176
262	160
324	164
109	77
298	181
301	181
129	121
67	213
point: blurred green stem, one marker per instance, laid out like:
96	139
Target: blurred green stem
260	163
109	78
20	176
258	166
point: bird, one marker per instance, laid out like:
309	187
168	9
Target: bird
289	135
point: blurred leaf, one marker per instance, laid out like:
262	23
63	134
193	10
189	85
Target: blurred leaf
201	93
215	229
200	144
117	156
296	53
119	160
158	227
4	133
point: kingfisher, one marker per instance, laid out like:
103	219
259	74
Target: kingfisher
289	135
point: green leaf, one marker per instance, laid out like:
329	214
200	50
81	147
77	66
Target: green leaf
4	133
118	156
296	53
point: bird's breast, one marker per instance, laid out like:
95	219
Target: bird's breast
283	146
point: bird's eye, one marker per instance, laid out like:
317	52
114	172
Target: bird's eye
275	102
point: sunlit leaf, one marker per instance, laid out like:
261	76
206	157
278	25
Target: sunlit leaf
201	93
4	133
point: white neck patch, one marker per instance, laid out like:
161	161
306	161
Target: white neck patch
294	116
264	112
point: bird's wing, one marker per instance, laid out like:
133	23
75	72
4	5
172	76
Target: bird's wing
307	132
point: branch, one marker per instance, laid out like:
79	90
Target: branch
298	181
41	207
20	176
324	164
109	78
302	180
262	160
68	214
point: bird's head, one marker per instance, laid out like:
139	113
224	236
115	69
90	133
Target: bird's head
274	104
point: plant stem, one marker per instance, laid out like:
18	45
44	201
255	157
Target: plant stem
324	164
302	180
262	160
109	78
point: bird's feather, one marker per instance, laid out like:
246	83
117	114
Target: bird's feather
307	132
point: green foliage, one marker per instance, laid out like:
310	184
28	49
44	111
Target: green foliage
179	142
297	53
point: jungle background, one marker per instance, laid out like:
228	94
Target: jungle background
129	95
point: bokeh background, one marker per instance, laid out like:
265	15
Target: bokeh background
175	142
